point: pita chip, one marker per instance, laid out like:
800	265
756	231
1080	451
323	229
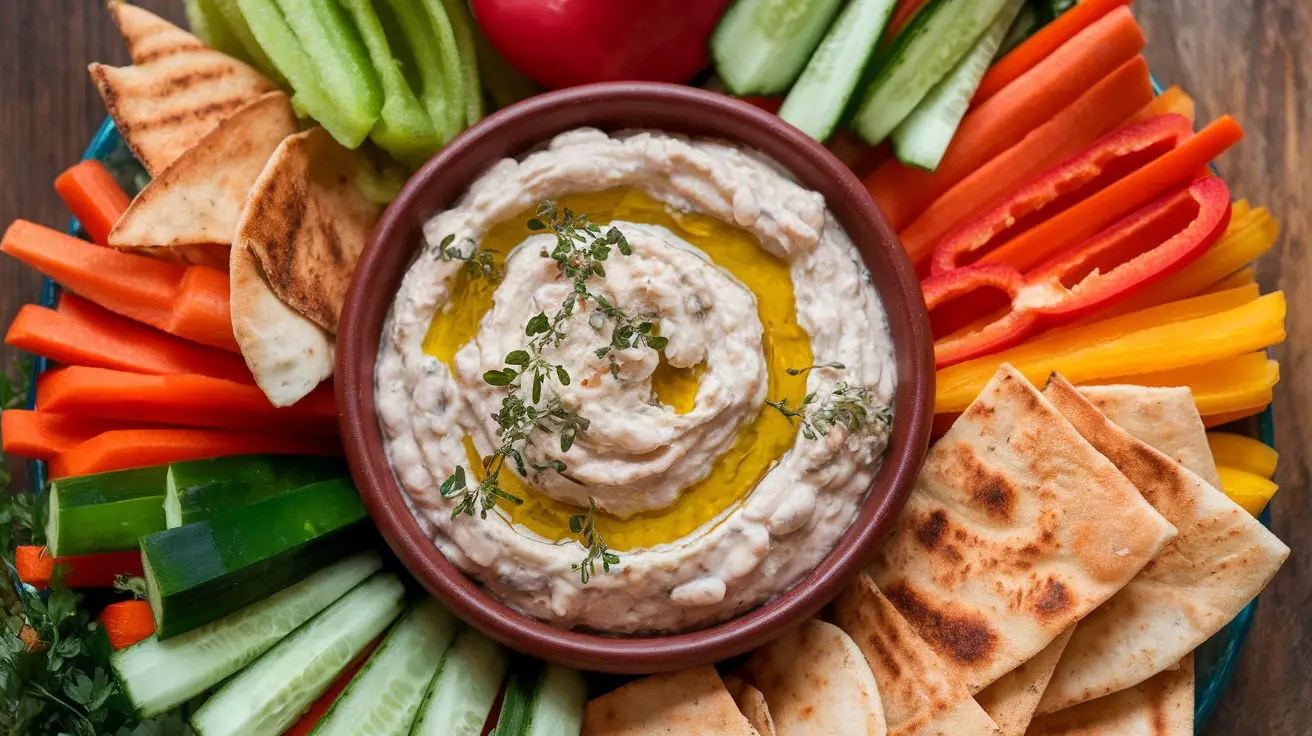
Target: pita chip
307	220
176	90
189	213
1221	559
920	694
1165	419
1012	700
693	701
1162	706
751	703
816	680
288	354
1016	529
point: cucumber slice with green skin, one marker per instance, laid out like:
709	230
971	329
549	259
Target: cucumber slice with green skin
463	26
1026	23
439	95
236	22
543	702
760	46
939	37
269	695
207	24
158	676
825	89
201	572
104	512
463	691
198	489
443	33
383	699
923	138
341	63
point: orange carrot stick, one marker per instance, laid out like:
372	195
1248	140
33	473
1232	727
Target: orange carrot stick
82	333
1031	52
183	399
903	192
142	288
139	448
42	436
1075	225
1173	101
1097	112
127	622
35	567
94	198
320	707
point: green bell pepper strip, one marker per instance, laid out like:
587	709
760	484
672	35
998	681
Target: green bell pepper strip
404	128
236	23
439	88
463	25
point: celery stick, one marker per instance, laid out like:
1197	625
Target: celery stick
463	25
439	94
340	60
236	22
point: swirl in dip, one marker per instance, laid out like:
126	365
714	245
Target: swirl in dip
712	499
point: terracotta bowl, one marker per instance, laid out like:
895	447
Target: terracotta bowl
673	109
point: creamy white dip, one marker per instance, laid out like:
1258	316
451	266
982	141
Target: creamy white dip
638	455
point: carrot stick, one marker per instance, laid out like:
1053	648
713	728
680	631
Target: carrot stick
42	436
139	448
320	707
82	333
183	399
94	198
1082	221
1031	52
1097	112
127	622
35	567
141	288
1173	101
903	192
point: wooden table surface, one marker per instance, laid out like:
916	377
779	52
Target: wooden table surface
1249	58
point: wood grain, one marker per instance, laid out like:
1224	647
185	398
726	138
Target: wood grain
1249	58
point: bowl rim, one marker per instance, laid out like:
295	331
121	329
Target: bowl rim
511	131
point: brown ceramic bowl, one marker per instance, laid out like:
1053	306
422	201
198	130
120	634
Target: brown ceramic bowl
673	109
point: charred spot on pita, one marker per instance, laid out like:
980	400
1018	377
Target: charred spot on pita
961	636
930	532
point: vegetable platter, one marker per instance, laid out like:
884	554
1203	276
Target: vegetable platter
192	555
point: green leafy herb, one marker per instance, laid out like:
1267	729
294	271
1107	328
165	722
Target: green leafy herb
803	371
855	408
478	262
585	525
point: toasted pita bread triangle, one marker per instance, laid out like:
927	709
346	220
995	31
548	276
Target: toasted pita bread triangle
921	696
692	701
1202	579
1165	418
189	213
1016	528
288	354
307	221
178	91
1013	699
1162	706
816	680
751	703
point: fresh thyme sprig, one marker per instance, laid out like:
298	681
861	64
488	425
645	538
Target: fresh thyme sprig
855	408
585	525
478	262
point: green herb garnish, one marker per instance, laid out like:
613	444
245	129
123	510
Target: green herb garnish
854	408
478	262
585	525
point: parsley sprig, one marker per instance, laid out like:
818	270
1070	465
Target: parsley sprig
855	408
585	525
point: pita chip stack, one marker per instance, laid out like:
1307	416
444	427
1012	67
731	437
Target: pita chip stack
1165	419
307	220
816	681
1016	529
1221	559
189	213
692	701
921	695
1162	706
176	91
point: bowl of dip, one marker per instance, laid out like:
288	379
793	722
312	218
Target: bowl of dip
634	376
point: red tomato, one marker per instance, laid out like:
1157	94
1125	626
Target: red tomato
562	43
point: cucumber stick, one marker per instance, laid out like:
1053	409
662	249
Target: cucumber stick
383	699
923	138
823	92
269	695
931	46
200	572
159	675
1026	23
236	22
198	489
546	701
462	693
760	46
104	512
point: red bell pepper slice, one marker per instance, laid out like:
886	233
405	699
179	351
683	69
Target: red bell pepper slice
1108	160
1148	245
969	320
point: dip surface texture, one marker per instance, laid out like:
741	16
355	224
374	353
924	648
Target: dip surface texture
712	498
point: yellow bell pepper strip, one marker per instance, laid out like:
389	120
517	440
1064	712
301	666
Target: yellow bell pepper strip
1217	420
1220	387
1190	332
1242	277
1249	490
403	128
1243	453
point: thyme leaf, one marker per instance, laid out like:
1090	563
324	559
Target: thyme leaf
585	525
855	408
